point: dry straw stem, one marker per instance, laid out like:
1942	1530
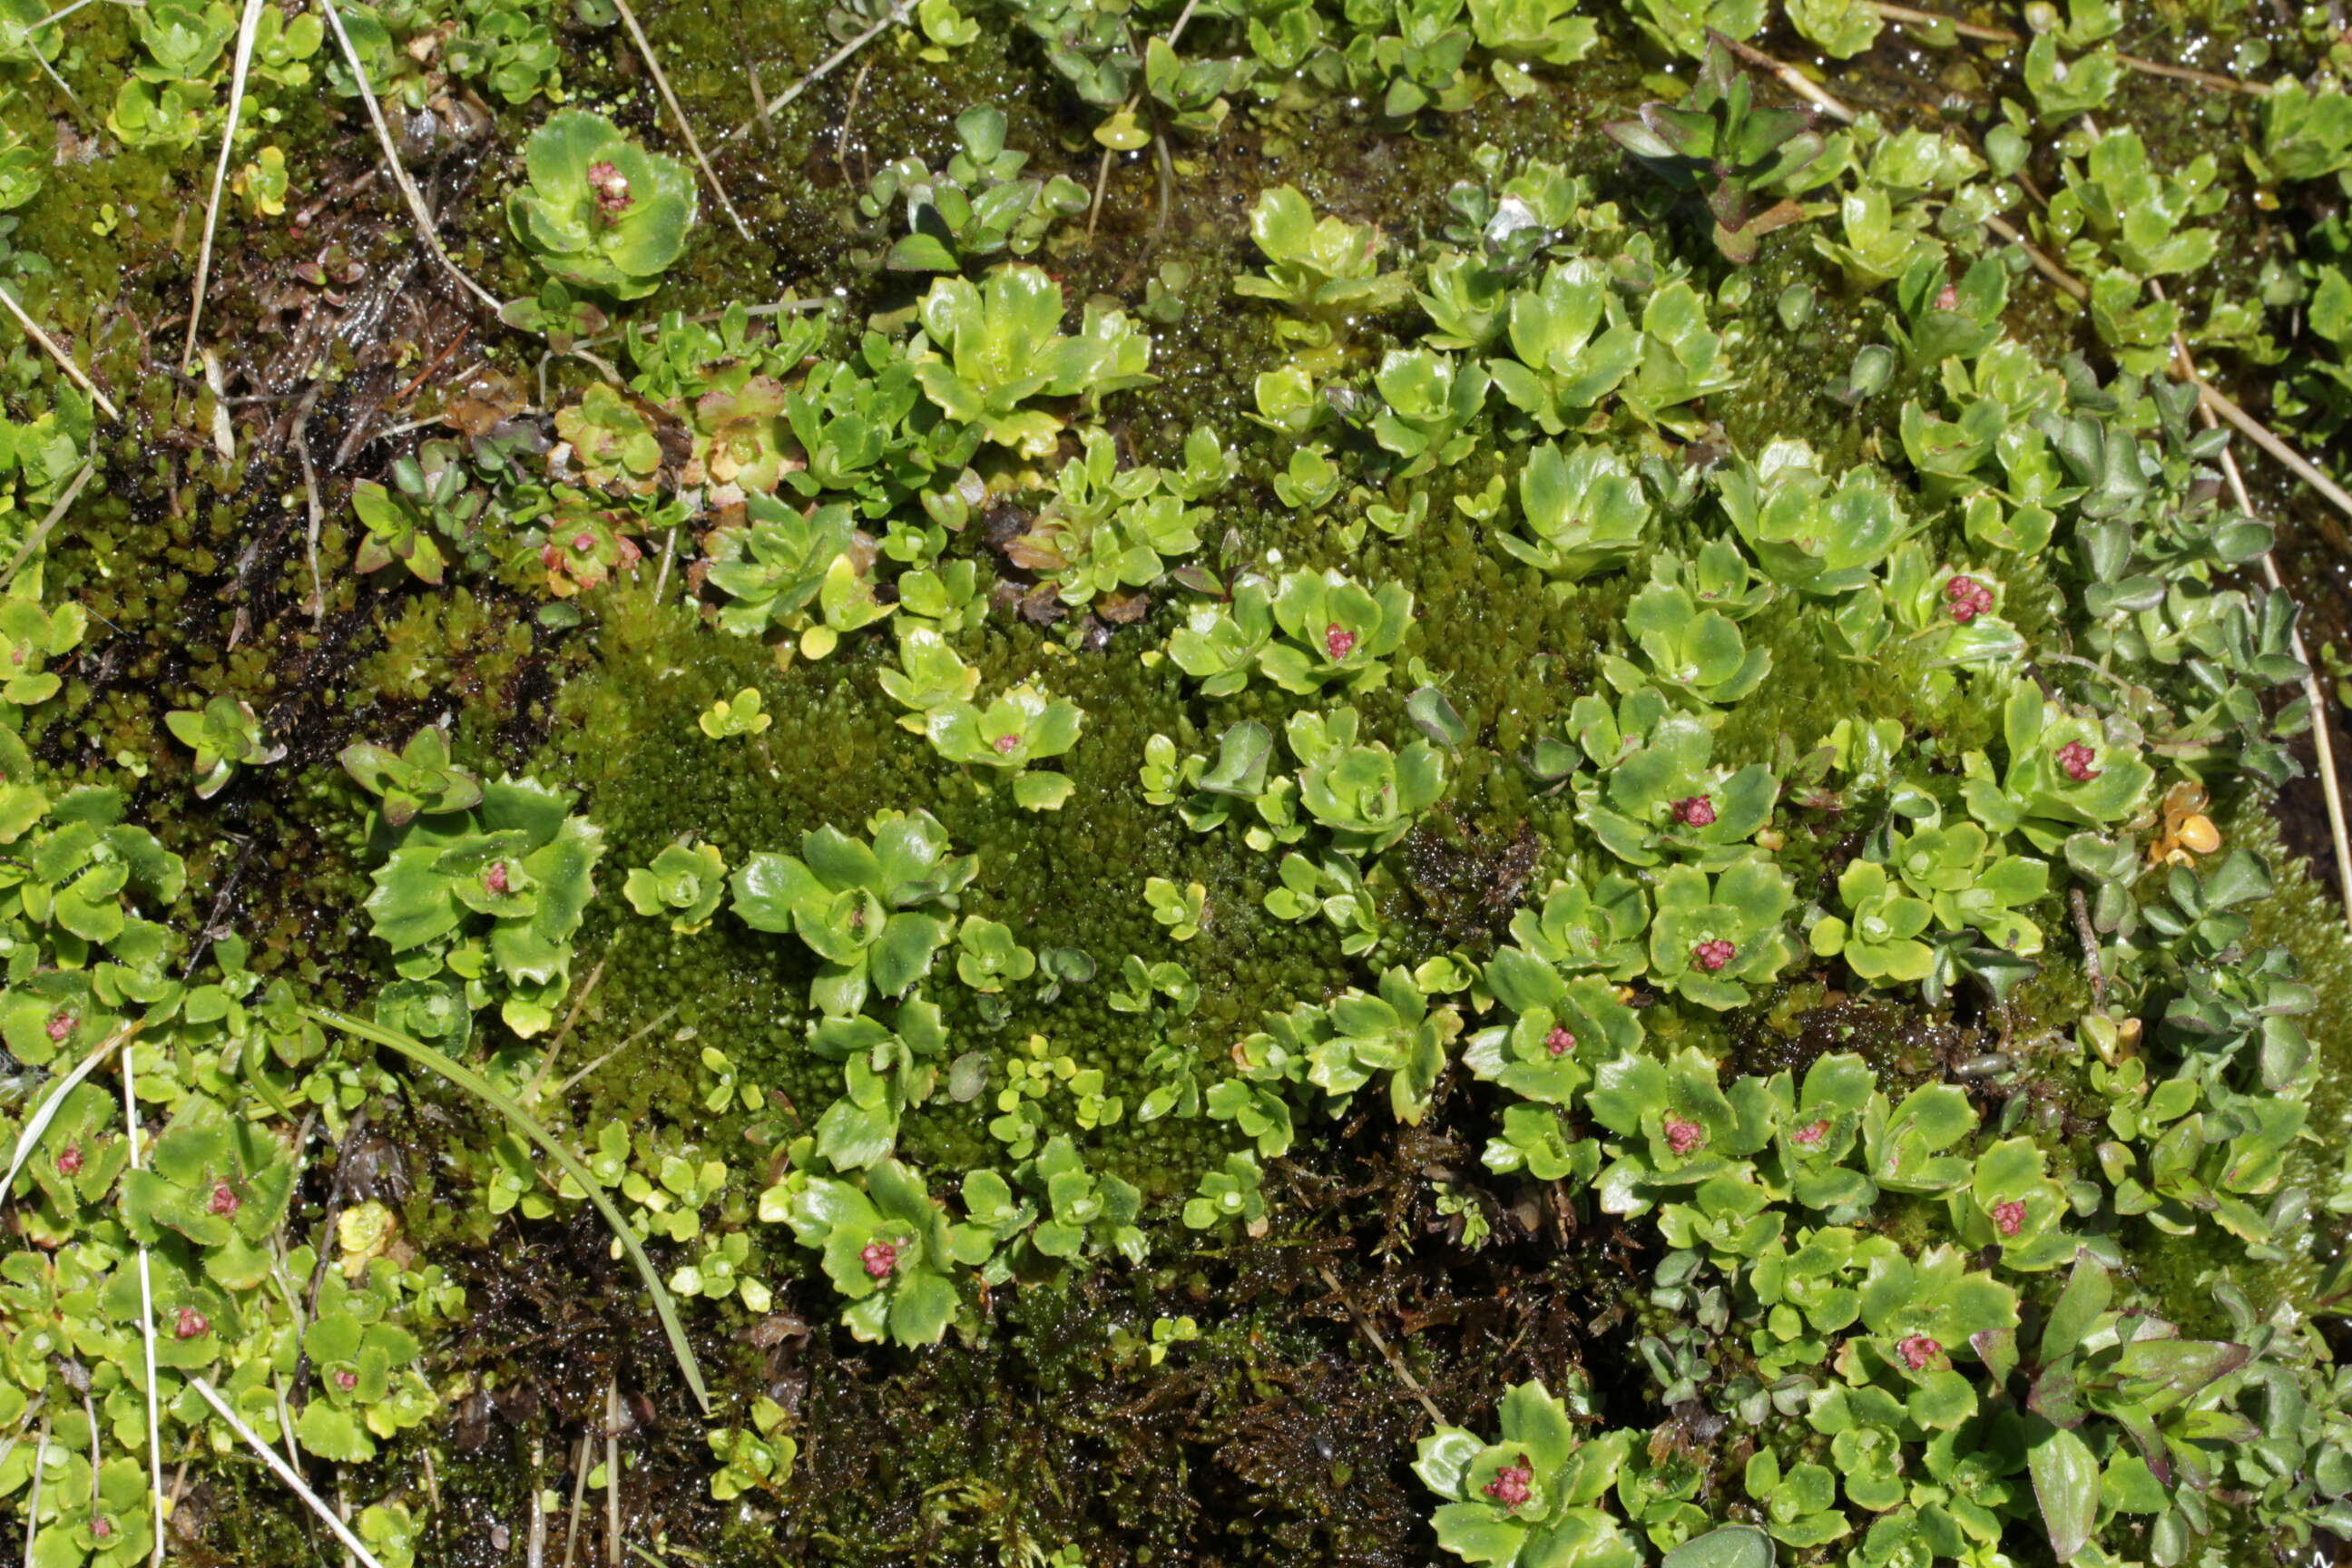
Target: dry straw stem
1396	1362
287	1473
146	1314
1904	13
693	142
2211	398
898	13
425	225
65	359
246	28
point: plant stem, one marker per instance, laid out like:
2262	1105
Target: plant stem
693	142
246	28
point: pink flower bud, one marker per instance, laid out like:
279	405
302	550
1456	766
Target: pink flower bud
2074	760
1966	599
1339	641
879	1257
192	1324
1682	1136
1810	1137
1918	1352
1698	811
1713	955
1513	1484
2009	1218
1560	1042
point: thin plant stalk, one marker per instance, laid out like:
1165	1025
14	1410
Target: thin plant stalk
39	536
473	1083
246	28
677	113
286	1472
146	1315
897	14
2209	396
33	1496
613	1470
74	372
426	229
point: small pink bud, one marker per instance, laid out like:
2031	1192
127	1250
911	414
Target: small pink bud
1698	811
611	188
582	543
879	1257
61	1024
496	878
1339	641
1682	1136
1560	1042
69	1160
1948	298
1007	744
2074	760
1810	1137
2009	1218
347	1380
1513	1484
1918	1352
1713	955
192	1325
101	1528
1967	599
225	1202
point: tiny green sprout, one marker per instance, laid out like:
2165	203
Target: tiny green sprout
988	956
1231	1194
1167	1334
226	734
29	637
978	205
1808	534
419	778
929	676
1083	1211
758	1458
684	882
1879	935
1184	910
737	715
1427	400
599	210
859	905
1533	1496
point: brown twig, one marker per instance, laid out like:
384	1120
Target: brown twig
2089	934
1396	1362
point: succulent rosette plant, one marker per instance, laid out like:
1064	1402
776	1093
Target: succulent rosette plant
599	210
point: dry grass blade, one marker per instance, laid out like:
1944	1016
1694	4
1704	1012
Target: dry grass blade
473	1083
54	1101
65	361
40	534
146	1315
247	27
831	63
677	113
426	227
287	1473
